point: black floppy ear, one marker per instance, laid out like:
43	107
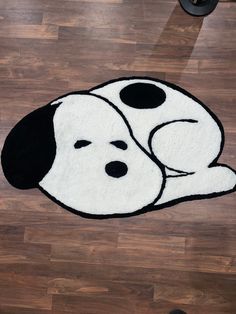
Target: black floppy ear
29	149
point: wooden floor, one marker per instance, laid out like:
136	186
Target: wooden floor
52	261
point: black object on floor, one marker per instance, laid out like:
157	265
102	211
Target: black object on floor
199	7
177	312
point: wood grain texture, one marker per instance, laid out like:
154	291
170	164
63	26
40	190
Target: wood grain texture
53	262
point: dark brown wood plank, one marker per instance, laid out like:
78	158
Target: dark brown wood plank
134	257
18	310
70	235
14	252
99	288
29	292
20	17
29	31
72	304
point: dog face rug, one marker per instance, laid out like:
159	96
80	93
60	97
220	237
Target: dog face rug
122	148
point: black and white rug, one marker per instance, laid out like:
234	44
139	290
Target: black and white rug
122	148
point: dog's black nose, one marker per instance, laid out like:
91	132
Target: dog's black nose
116	169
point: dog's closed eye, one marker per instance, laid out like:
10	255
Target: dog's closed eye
120	144
81	143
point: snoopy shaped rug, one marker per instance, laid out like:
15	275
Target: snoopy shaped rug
122	148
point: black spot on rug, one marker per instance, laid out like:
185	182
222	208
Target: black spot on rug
123	148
